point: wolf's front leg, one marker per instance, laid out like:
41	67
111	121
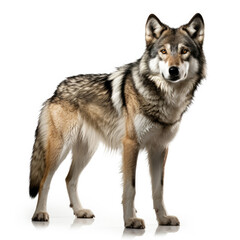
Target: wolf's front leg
157	159
130	154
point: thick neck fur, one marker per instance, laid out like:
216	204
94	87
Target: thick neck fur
162	101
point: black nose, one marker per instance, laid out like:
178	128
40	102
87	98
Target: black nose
173	71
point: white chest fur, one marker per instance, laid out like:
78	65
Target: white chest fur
149	132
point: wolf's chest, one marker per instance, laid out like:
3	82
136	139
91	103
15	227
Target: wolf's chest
167	109
149	132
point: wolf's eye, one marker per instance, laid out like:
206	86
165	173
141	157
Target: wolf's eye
163	51
184	51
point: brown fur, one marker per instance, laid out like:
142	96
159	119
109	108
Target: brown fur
134	108
173	60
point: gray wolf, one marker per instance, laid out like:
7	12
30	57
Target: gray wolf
139	106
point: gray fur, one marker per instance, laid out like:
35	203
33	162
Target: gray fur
136	106
37	165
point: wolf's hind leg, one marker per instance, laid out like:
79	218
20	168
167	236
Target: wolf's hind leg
56	153
81	155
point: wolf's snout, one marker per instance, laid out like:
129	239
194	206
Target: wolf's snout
174	72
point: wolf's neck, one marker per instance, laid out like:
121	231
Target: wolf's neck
162	101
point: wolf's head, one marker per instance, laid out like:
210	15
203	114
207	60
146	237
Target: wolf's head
174	54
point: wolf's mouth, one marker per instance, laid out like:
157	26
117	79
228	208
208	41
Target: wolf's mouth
171	79
175	78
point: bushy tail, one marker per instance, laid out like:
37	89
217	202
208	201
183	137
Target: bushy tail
37	166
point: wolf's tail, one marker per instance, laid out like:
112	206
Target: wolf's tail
38	161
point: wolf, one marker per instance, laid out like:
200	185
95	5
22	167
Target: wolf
137	107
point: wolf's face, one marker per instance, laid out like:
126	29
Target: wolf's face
174	53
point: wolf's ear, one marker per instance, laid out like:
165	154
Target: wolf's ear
195	28
153	29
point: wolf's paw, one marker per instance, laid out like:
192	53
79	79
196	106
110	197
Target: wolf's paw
84	213
168	221
136	223
40	217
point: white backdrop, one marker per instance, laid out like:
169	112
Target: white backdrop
42	42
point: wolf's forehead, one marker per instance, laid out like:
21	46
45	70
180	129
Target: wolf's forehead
173	39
